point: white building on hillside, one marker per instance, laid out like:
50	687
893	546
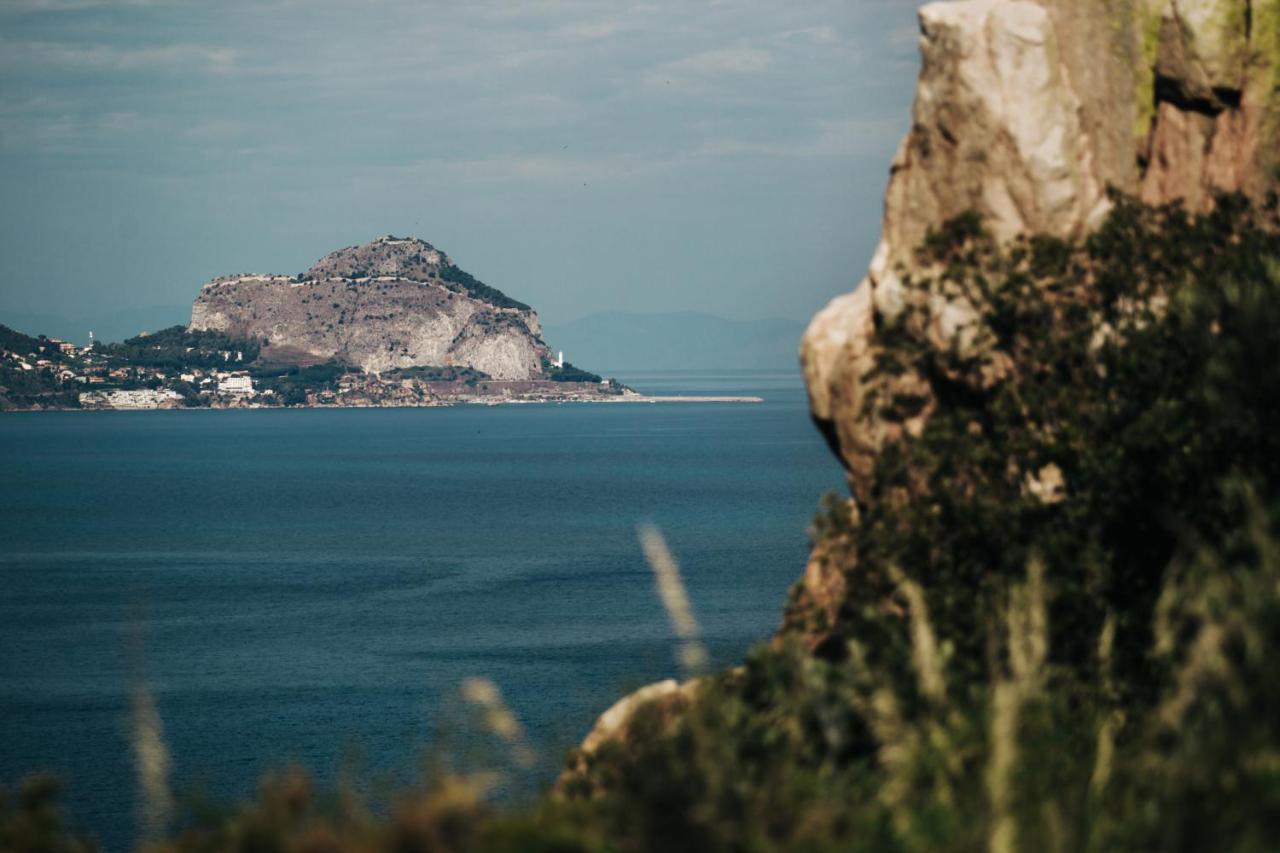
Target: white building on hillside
236	383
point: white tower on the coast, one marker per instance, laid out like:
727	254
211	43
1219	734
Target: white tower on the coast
560	359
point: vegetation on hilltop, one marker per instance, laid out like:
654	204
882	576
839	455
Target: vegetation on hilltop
16	342
414	262
450	373
24	382
25	389
568	373
1061	604
461	281
292	382
180	347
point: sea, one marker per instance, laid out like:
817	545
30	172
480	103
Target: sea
310	588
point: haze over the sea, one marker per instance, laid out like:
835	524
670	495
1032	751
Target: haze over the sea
726	158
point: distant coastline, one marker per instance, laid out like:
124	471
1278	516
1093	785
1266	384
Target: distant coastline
180	370
631	398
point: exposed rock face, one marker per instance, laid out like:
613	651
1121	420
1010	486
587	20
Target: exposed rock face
390	303
1027	112
665	700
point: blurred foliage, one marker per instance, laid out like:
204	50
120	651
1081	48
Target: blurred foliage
1063	595
1103	439
31	820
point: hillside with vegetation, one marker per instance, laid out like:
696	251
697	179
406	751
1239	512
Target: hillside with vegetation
390	303
178	347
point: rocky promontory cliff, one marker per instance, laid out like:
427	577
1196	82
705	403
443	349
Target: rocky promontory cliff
386	304
1053	395
1028	113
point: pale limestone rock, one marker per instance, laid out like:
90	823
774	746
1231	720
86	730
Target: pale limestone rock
837	335
669	697
1027	111
387	304
612	722
1217	39
996	127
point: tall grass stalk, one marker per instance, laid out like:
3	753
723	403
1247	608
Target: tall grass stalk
924	643
151	762
1027	625
498	718
692	654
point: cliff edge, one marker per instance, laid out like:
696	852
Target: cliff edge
1074	168
1028	113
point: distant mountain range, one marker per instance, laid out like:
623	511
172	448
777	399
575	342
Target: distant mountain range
620	340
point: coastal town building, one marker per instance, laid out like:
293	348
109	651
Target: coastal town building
236	383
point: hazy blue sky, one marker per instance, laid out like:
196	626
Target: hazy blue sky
726	156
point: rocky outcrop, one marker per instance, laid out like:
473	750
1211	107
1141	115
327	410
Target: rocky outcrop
1027	112
664	702
386	304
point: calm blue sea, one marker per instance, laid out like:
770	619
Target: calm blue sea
302	587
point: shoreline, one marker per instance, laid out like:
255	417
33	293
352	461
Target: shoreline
479	401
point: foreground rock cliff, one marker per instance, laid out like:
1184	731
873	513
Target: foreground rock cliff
1027	113
386	304
1039	394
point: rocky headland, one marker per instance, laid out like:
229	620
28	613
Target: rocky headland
386	304
390	323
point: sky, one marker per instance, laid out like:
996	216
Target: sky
728	156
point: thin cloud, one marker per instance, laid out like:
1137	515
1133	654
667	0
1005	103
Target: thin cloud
553	114
594	30
27	6
216	129
829	138
824	34
728	60
67	56
536	168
